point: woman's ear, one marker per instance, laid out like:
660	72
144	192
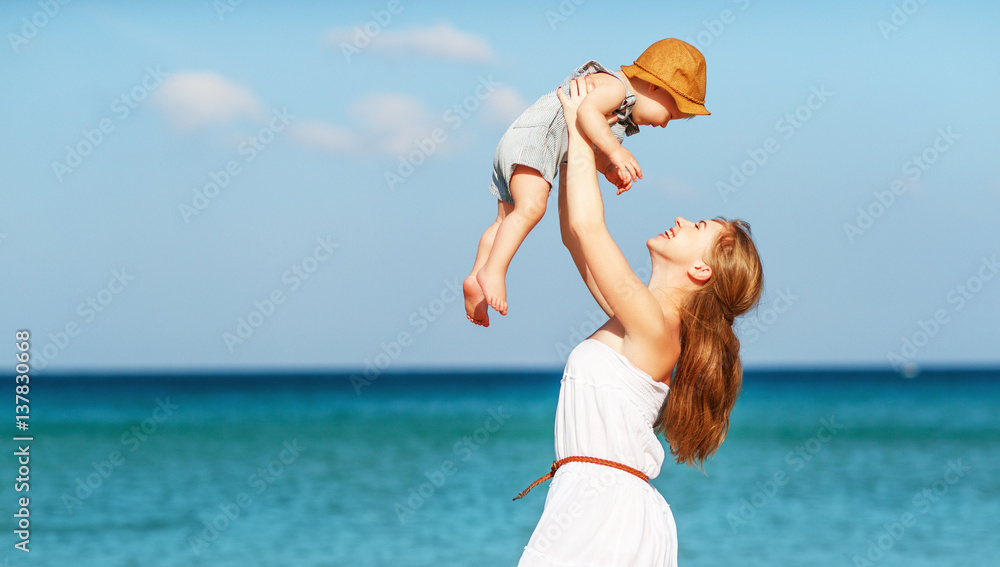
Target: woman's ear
700	272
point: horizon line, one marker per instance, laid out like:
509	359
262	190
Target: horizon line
341	371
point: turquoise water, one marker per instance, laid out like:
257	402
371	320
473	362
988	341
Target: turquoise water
819	469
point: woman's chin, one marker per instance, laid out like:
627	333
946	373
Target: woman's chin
658	244
656	251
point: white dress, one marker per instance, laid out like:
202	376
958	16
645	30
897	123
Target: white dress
594	514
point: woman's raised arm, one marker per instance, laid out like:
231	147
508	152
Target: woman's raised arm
573	245
626	295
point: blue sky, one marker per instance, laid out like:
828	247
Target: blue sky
196	185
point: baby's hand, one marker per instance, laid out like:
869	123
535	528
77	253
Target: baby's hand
615	177
627	166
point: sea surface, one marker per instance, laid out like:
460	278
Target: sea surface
835	468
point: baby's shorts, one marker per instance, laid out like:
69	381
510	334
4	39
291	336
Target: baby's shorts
537	139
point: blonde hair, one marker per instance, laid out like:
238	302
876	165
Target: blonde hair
708	376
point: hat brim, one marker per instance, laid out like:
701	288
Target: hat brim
683	104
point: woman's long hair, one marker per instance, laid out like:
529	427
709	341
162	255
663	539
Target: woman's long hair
708	376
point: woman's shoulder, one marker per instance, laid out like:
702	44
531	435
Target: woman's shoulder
654	355
657	349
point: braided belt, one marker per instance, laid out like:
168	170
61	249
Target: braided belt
561	462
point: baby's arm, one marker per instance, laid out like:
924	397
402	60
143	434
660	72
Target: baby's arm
611	172
592	117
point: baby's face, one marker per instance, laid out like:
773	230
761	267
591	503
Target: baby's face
656	108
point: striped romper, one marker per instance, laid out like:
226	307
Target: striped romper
538	138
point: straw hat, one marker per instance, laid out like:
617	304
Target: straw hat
676	66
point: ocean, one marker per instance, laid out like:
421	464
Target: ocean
833	468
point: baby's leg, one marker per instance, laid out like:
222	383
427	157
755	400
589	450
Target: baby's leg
530	192
476	308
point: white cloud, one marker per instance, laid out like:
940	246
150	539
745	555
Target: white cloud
383	123
442	41
504	105
394	121
192	100
323	136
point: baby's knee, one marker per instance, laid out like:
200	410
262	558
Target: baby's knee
530	191
532	208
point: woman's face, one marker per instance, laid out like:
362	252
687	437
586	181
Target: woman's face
686	242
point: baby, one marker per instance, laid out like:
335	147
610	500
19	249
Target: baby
666	82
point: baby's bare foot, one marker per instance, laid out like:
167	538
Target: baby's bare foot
476	308
495	289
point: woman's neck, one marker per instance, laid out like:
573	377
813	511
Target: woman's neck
670	294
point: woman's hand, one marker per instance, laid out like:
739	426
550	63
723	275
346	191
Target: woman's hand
578	89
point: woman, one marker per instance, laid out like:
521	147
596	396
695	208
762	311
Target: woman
674	333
